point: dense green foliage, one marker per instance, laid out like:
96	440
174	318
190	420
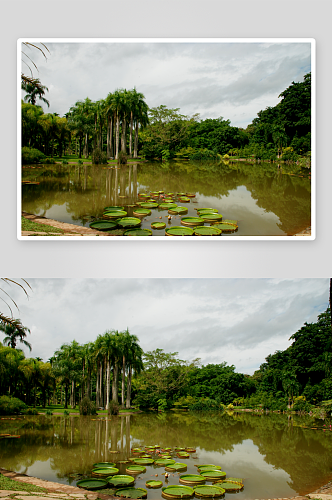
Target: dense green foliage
123	122
11	406
87	407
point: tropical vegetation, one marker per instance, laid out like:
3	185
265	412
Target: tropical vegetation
123	122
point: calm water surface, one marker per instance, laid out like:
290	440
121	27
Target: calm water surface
276	456
267	200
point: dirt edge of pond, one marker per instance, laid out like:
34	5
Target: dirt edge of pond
73	230
324	492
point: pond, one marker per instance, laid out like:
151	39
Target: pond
265	199
275	455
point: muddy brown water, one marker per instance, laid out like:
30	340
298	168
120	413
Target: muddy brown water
266	199
275	455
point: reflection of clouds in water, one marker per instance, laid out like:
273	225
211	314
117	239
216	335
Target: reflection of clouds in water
246	462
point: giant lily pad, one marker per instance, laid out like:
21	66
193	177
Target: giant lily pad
113	209
177	467
207	231
131	493
114	214
213	475
205	211
226	227
103	464
206	491
120	480
167	206
178	211
164	461
179	231
229	486
135	469
192	479
144	461
192	221
154	484
103	225
129	222
184	199
104	471
149	204
158	225
177	491
138	232
141	212
92	483
204	468
215	217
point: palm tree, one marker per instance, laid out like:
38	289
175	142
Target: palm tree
13	334
135	363
33	91
138	114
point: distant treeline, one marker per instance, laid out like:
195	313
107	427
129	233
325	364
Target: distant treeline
115	369
123	122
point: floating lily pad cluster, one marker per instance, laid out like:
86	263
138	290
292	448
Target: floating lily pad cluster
208	221
106	475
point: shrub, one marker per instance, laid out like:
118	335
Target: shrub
80	162
32	155
99	157
64	162
49	412
113	408
87	407
11	406
122	158
30	411
205	404
66	413
49	161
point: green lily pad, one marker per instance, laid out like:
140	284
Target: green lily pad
204	468
103	225
113	209
184	199
105	471
204	490
205	211
144	461
103	464
131	493
130	222
92	484
177	491
213	217
179	231
167	206
154	484
178	211
143	195
226	227
229	221
192	221
177	467
190	450
135	469
164	461
149	204
120	480
230	486
141	212
192	479
213	475
190	195
114	214
207	231
138	232
158	225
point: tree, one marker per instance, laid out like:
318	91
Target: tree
13	334
33	91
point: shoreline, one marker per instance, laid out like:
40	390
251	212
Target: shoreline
66	491
74	230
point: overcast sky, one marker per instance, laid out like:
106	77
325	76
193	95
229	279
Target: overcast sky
239	321
232	80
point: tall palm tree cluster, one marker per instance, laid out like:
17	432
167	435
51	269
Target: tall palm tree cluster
101	370
115	120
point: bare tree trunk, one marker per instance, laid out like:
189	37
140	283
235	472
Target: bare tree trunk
128	388
124	136
136	139
117	137
108	384
123	381
115	382
131	134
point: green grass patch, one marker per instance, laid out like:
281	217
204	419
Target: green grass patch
11	484
29	225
